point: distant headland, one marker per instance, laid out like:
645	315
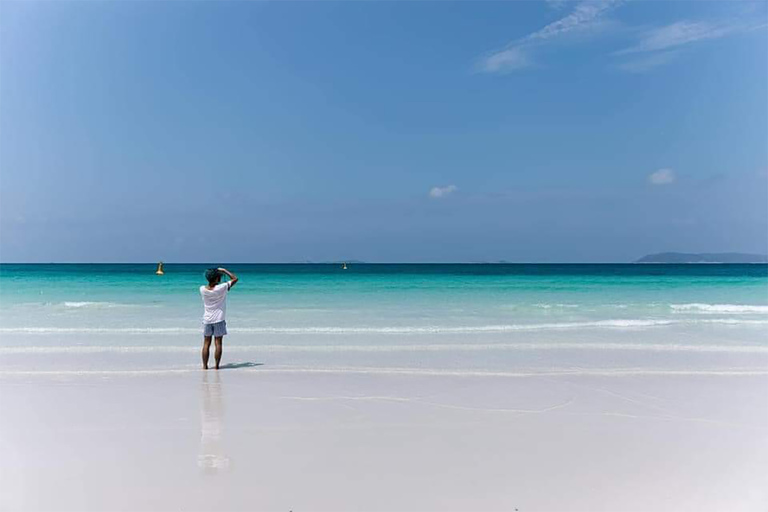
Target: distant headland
724	257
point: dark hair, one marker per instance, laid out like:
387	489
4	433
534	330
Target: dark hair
212	274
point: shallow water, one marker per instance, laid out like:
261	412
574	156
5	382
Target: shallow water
472	318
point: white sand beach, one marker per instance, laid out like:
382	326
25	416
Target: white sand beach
500	256
259	438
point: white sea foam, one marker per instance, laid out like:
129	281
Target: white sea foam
719	308
619	324
732	321
454	347
96	305
85	304
550	306
99	330
435	329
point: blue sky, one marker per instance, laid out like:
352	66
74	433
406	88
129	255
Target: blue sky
388	131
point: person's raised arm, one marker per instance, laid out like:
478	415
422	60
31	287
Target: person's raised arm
232	277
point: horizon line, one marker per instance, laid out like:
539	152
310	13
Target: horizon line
348	262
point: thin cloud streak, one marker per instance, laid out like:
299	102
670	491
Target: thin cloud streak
587	14
661	45
678	34
506	60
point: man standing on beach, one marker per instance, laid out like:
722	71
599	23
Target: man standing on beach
215	306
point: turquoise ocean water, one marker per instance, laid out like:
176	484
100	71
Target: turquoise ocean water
450	318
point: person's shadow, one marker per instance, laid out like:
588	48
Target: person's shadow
234	366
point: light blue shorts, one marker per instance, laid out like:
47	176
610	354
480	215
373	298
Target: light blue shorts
215	330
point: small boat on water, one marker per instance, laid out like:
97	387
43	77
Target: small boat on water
159	271
344	266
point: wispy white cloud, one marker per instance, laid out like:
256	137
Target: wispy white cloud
662	177
438	192
660	45
586	15
678	34
506	60
654	47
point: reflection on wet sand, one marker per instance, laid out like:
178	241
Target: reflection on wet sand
212	458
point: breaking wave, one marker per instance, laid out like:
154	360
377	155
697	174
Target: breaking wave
442	347
719	308
435	329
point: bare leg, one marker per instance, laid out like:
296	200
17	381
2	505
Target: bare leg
218	340
206	351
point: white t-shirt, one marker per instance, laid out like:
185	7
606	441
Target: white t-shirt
214	302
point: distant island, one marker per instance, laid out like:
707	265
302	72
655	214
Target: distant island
725	257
